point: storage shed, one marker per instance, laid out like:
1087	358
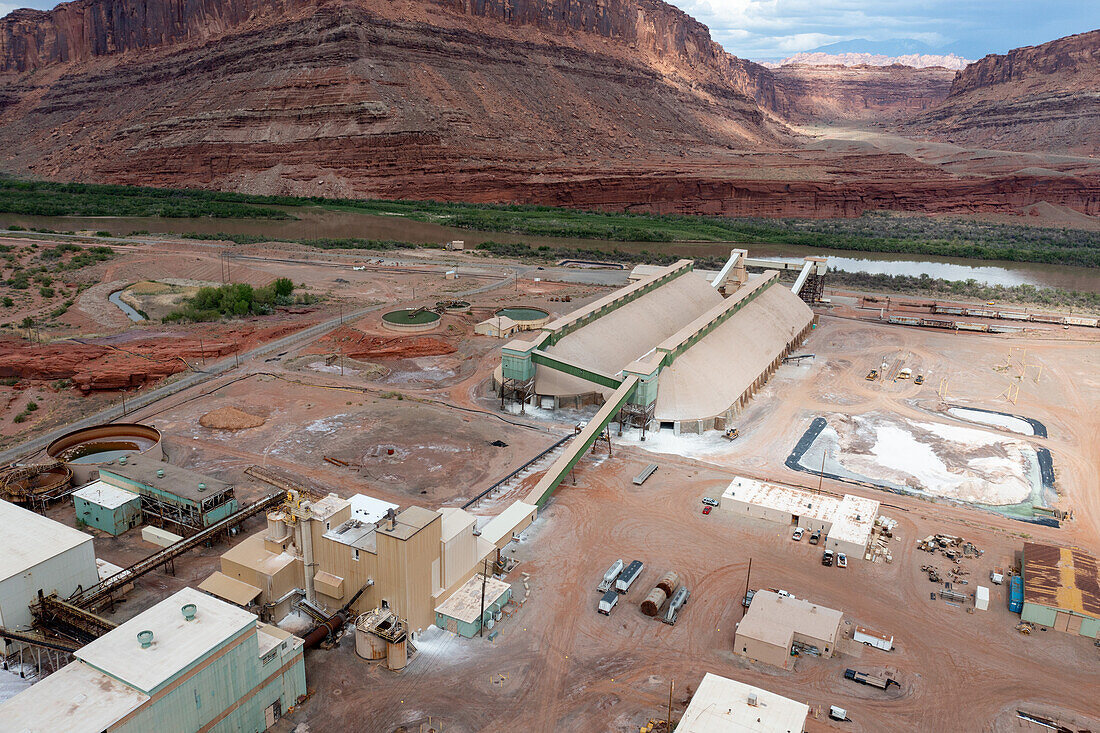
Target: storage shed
107	508
460	614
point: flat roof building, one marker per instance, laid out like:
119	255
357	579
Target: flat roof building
461	613
171	495
722	705
191	662
39	554
775	624
1061	589
107	508
847	523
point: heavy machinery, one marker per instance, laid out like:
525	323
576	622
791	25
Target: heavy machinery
872	375
732	434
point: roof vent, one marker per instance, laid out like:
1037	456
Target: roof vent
189	612
752	699
146	639
202	487
122	460
160	473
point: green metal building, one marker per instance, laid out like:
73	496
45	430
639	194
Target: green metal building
172	497
460	615
190	663
107	508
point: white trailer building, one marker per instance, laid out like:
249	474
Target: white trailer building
878	640
39	554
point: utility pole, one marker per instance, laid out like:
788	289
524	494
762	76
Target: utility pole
668	724
748	575
821	474
484	581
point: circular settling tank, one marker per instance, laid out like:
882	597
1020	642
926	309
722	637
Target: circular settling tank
410	319
453	306
525	317
85	450
45	483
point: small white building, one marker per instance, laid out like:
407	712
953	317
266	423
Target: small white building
39	554
846	523
722	705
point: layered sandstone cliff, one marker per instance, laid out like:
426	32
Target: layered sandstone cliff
1042	98
834	93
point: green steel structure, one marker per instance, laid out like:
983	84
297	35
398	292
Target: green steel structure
107	508
171	495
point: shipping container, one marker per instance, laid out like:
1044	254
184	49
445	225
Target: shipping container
1047	318
1080	321
1016	595
1013	316
904	320
628	576
951	310
964	326
980	313
610	598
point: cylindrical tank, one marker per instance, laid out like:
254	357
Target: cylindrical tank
653	602
85	450
669	582
396	655
368	645
48	482
276	527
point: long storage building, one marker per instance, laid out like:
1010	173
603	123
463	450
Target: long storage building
1061	589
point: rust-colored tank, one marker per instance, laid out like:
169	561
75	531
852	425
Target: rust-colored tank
669	582
653	602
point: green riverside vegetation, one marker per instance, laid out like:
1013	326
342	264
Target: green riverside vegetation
872	232
234	299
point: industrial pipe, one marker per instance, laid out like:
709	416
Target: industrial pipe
331	626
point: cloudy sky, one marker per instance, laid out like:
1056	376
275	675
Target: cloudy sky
768	29
773	29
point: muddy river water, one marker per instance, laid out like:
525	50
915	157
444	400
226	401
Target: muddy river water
323	223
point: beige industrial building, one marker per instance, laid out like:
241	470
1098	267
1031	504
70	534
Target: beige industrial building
703	348
497	326
846	524
314	548
775	624
722	705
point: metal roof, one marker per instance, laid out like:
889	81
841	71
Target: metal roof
231	589
28	539
465	603
771	617
177	643
369	509
181	482
409	522
1061	577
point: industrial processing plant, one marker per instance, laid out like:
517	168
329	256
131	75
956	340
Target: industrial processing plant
448	489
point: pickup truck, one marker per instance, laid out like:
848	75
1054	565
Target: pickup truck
827	558
815	537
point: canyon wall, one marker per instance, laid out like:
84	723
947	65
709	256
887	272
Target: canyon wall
1042	98
816	93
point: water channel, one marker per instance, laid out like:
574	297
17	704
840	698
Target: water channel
315	223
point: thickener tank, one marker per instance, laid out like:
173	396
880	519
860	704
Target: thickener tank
85	450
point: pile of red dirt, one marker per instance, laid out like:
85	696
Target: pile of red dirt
355	344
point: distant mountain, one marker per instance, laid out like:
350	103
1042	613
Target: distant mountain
917	61
902	47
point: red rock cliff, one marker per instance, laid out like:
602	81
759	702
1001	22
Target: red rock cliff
1069	56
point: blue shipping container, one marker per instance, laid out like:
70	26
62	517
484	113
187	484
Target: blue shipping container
1016	595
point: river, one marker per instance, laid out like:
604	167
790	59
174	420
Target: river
322	223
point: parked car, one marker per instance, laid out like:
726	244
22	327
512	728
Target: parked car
815	537
827	558
842	560
709	501
797	536
706	509
748	598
